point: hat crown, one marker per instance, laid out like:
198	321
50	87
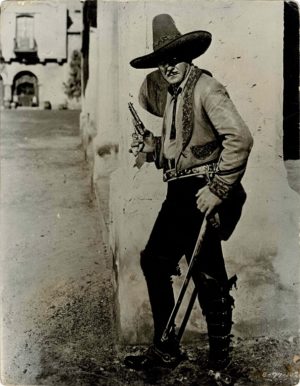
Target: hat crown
164	31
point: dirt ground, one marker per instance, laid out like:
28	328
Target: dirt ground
56	276
57	283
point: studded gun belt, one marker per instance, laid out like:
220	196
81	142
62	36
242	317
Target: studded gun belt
200	171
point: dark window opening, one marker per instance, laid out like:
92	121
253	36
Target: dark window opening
1	91
89	20
25	33
25	89
291	144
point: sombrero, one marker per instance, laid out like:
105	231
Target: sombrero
168	42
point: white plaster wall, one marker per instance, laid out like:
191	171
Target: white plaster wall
74	43
108	75
106	142
75	12
53	90
46	15
246	56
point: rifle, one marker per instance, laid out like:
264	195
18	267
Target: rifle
171	321
138	124
220	378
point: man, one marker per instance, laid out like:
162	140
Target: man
203	151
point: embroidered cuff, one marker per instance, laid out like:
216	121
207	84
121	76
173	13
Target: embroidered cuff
220	188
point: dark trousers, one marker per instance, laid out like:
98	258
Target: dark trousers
174	235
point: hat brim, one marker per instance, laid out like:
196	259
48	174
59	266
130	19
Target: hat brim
190	45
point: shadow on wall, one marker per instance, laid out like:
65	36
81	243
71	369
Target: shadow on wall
107	149
291	139
102	156
106	160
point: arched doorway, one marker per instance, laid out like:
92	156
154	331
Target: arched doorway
1	91
25	89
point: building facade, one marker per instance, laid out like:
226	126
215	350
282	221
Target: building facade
38	40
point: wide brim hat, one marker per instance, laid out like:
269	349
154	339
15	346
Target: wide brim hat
168	43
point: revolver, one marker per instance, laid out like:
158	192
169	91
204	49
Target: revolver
138	124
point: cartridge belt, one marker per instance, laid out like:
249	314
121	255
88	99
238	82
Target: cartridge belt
201	171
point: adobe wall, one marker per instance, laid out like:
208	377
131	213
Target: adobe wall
246	56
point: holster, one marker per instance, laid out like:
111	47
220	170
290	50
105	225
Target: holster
230	211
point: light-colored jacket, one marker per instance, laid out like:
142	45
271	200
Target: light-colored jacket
209	129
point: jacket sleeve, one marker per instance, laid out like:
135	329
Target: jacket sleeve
234	134
155	156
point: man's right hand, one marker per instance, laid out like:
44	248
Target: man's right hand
142	143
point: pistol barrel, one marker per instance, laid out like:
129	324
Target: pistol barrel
134	113
139	126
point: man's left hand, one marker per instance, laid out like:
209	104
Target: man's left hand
207	201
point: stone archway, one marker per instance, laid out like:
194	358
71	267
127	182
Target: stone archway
25	89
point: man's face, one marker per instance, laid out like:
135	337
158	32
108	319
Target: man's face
174	72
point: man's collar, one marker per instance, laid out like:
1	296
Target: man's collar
174	90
